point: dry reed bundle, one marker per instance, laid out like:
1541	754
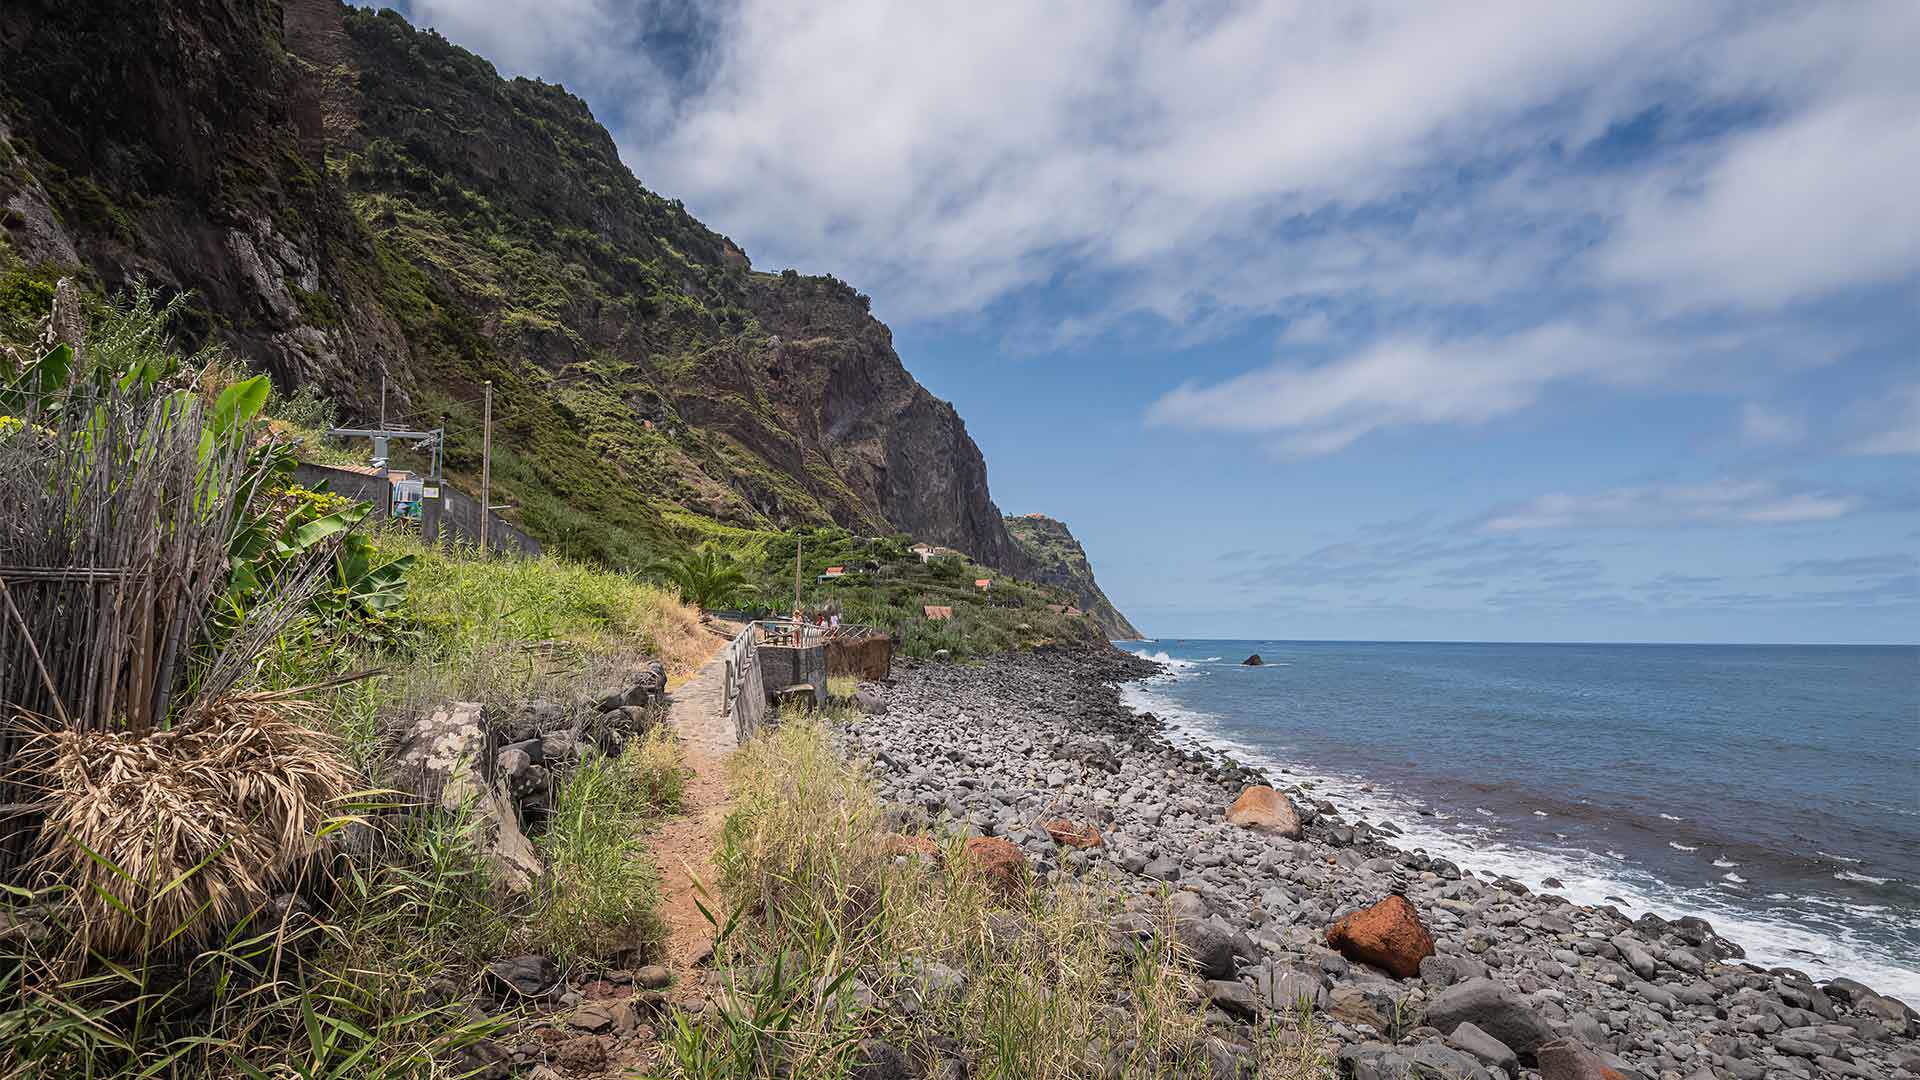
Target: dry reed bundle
185	832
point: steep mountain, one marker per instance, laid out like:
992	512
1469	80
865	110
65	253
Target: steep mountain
348	197
1059	560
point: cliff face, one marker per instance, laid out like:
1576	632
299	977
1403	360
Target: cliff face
1060	560
348	197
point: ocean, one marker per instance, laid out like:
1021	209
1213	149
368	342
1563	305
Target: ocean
1773	790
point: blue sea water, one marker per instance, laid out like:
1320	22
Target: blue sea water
1774	790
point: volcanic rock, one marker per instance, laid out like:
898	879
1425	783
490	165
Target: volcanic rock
1389	935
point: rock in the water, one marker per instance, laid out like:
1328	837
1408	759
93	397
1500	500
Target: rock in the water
1252	661
1389	935
1492	1008
1001	862
1265	810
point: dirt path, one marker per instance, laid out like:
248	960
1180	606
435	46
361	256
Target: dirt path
684	846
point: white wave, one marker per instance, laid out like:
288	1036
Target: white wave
1821	936
1161	657
1868	879
1836	858
1539	813
1208	660
1677	846
1733	877
1725	864
1670	817
1483	811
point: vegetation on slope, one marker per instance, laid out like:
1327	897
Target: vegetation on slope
363	965
1060	560
884	584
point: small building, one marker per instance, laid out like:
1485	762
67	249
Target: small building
833	573
925	551
936	612
983	583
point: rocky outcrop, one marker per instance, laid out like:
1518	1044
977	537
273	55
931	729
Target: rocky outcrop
346	196
1059	560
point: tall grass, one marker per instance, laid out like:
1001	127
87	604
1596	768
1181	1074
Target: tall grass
602	885
465	603
826	930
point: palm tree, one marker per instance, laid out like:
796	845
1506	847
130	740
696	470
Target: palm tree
705	577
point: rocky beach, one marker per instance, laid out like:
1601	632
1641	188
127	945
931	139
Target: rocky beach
1410	964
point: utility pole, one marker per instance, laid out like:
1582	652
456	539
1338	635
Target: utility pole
486	467
383	401
798	540
430	510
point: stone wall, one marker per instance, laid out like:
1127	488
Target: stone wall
869	660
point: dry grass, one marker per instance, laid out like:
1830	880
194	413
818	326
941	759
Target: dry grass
173	836
833	928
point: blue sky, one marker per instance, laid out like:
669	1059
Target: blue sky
1514	321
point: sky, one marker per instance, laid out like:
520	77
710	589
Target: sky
1480	321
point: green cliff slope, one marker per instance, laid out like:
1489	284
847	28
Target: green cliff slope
350	198
1059	560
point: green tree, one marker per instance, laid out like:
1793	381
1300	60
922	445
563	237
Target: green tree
705	577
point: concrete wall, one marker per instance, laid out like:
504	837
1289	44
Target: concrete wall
869	661
459	512
782	666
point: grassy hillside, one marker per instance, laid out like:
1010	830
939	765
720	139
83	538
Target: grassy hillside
886	585
1059	560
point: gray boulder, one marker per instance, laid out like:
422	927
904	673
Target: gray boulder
1489	1050
448	759
1493	1009
1382	1061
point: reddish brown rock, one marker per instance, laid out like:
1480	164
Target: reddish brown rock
1001	862
1266	810
1389	935
918	845
1072	834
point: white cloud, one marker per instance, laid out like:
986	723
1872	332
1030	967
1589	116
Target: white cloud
1231	153
1661	506
1900	433
1320	408
1763	425
1816	204
1310	408
1201	163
